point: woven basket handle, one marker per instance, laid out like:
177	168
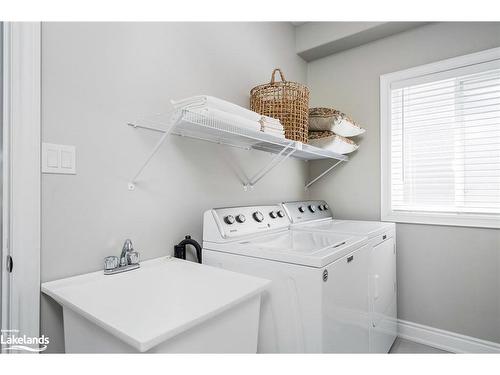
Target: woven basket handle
281	75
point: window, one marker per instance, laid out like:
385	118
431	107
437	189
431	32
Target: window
440	142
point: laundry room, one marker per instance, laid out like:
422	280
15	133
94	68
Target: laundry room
313	186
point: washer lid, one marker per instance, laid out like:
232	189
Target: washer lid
354	227
314	249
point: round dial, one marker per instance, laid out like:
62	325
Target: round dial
281	213
325	206
240	218
257	215
302	209
229	219
312	208
320	207
273	214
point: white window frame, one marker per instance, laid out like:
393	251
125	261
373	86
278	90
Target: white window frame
386	80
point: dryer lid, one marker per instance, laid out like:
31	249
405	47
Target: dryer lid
354	227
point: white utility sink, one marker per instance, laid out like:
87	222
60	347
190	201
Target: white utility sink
167	305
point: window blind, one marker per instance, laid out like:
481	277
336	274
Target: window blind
445	143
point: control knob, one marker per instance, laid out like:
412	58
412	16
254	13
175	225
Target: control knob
302	209
229	219
281	213
257	215
273	214
312	208
240	218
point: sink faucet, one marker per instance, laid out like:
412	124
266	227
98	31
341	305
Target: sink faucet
128	260
126	249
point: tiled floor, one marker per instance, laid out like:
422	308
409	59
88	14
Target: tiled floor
402	346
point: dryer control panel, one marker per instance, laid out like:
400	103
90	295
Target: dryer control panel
303	211
239	221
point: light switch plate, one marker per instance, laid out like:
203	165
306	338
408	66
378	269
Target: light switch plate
60	159
52	158
67	158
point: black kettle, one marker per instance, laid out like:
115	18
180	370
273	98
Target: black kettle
180	249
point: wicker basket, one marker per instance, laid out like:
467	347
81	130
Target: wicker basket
286	101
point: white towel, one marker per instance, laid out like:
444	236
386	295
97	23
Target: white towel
271	120
206	101
271	123
229	118
280	129
268	130
276	133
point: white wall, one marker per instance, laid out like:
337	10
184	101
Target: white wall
98	76
448	277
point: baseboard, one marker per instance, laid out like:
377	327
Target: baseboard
445	340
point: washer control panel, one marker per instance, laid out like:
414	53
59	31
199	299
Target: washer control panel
303	211
238	221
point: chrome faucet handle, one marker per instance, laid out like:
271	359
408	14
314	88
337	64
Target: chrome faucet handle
111	263
133	257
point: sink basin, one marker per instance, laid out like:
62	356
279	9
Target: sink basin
167	305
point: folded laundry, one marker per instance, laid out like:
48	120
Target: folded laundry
206	101
272	131
281	136
276	133
271	123
273	127
271	120
230	118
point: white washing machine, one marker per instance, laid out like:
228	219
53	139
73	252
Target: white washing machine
316	216
318	298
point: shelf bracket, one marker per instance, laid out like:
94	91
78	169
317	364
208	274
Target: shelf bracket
235	167
166	133
322	174
207	128
275	161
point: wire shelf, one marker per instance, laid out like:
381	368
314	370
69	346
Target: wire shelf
207	127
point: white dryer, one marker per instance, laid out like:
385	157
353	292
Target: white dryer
316	216
318	298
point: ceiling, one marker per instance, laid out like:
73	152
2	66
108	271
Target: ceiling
315	40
